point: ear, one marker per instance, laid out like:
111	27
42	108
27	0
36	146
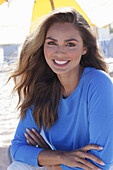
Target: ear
84	50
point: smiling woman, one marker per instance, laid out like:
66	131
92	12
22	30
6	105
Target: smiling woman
65	91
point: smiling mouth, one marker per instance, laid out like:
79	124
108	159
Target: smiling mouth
61	62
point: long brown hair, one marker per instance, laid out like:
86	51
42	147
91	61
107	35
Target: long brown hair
35	82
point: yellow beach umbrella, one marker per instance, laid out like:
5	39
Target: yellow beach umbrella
43	7
1	1
98	13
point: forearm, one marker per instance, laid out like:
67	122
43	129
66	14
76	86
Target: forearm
76	158
49	158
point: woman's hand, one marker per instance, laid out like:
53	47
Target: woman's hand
34	139
78	157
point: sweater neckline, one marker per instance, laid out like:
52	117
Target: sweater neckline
76	89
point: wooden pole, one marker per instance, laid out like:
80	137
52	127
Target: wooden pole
52	5
8	2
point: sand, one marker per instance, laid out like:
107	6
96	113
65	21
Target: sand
8	118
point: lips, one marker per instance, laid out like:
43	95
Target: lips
61	62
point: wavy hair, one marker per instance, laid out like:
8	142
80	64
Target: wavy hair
35	82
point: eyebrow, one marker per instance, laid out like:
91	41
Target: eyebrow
51	38
71	39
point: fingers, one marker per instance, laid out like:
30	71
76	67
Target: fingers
78	158
90	147
83	166
30	141
93	158
34	138
33	135
41	141
39	136
87	164
84	150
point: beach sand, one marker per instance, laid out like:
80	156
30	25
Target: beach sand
9	115
8	118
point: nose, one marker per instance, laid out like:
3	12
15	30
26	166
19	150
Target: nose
60	50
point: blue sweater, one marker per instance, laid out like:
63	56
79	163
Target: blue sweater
85	117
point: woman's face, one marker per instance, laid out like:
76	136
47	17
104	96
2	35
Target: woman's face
63	48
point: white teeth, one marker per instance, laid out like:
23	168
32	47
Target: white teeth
60	62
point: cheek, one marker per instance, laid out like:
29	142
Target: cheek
74	54
47	52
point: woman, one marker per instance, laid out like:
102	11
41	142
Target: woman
64	87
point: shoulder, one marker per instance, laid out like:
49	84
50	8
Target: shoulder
97	83
99	93
97	77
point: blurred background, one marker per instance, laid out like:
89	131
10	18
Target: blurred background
17	19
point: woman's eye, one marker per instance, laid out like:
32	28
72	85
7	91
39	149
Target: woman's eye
70	45
51	43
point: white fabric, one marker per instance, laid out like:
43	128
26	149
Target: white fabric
22	166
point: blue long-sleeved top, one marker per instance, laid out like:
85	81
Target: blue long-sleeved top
85	117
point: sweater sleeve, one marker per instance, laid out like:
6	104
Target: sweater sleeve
20	150
100	106
100	118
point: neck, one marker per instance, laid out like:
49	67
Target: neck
70	82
